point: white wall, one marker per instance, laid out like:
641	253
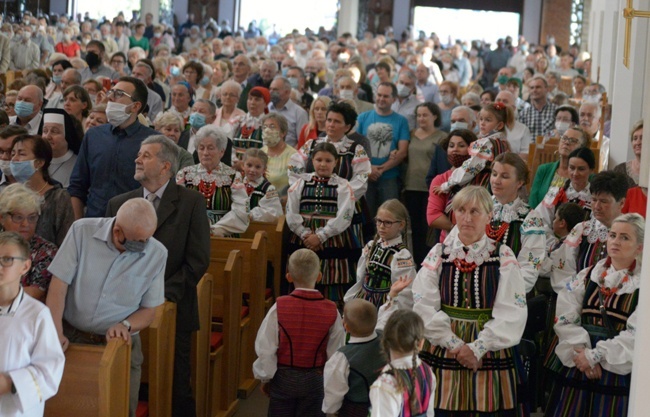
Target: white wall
532	20
348	17
401	14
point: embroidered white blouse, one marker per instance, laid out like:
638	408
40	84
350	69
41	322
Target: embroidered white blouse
269	207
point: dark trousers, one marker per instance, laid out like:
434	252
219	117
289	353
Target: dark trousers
183	403
416	204
296	393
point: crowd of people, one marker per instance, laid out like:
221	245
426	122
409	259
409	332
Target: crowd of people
401	167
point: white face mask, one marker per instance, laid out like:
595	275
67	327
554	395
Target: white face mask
116	113
4	167
403	91
346	94
562	126
270	137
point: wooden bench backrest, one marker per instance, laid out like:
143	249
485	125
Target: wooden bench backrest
566	85
201	347
158	342
274	248
95	382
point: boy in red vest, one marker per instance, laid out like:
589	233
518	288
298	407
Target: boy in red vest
300	332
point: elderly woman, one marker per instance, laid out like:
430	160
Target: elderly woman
76	102
595	322
228	113
632	167
68	45
20	208
30	162
555	174
193	73
225	195
96	117
316	124
274	130
471	297
247	129
64	134
171	125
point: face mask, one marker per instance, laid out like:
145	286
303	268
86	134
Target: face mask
204	81
23	108
457	160
562	126
227	51
23	170
502	79
447	99
270	137
67	37
175	71
446	66
344	58
85	41
261	48
197	120
157	35
301	47
208	34
5	167
285	70
524	48
346	94
133	245
591	98
275	98
56	79
116	113
403	91
293	81
93	97
92	59
413	67
459	125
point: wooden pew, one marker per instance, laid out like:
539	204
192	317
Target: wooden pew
95	382
158	341
275	247
541	153
253	283
200	356
225	323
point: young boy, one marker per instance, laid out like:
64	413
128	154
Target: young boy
300	332
351	371
567	215
31	359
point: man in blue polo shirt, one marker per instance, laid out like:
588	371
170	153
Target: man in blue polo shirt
386	131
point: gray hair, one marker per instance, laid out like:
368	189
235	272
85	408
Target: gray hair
213	107
168	118
75	74
280	119
285	82
18	197
148	69
473	194
137	213
470	112
230	84
168	151
137	50
636	221
410	74
472	96
217	134
597	110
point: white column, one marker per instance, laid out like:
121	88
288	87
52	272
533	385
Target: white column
229	10
401	17
180	8
531	20
348	17
628	84
150	6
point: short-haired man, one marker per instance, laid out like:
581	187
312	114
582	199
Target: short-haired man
29	103
427	89
348	90
184	230
107	280
95	52
104	166
406	99
519	136
590	114
296	77
387	131
268	70
25	54
69	77
281	103
540	116
144	73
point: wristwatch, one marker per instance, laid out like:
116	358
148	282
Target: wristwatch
126	324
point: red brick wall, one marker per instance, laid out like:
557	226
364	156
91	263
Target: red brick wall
556	19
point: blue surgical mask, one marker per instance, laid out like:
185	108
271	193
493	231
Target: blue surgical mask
175	71
56	79
23	108
133	245
294	82
458	125
205	80
285	70
22	170
197	120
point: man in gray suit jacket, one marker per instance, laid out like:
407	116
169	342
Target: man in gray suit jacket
5	53
184	230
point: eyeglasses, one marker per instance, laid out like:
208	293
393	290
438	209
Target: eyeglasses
7	261
118	94
19	218
386	223
570	141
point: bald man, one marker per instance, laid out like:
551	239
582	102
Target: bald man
29	103
107	280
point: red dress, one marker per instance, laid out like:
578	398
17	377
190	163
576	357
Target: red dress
635	201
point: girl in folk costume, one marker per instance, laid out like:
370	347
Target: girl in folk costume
353	164
596	321
574	190
320	206
513	223
225	195
407	385
471	295
385	259
493	120
264	203
248	128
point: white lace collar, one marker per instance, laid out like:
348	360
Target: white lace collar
595	231
613	277
478	252
391	242
573	194
509	212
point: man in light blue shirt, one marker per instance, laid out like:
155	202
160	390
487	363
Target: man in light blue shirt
107	279
463	64
281	103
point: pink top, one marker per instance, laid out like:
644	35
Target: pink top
437	203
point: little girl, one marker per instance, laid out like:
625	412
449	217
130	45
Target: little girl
385	258
406	386
264	202
493	120
319	212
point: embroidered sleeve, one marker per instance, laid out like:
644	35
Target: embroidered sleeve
567	319
481	152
